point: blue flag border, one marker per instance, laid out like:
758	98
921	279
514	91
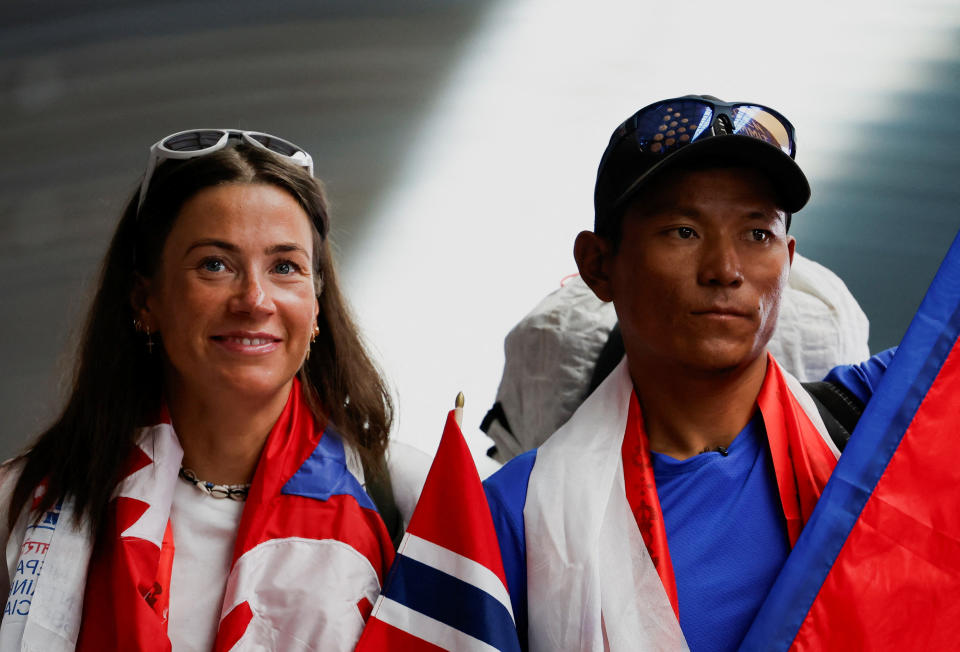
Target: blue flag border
928	341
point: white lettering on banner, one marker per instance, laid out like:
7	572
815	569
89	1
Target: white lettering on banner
32	553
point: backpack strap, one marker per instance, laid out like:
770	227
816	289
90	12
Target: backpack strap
610	356
839	408
495	413
380	490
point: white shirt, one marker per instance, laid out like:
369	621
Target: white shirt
204	531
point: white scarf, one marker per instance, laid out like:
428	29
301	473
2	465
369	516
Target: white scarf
591	584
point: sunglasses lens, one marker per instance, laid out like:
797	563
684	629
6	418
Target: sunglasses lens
193	141
274	144
283	147
758	122
667	126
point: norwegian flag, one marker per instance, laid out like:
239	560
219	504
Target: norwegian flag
877	566
446	589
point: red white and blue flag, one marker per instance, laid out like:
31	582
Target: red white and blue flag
307	565
877	566
446	589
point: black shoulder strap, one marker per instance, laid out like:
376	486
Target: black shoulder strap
495	413
838	407
381	492
610	356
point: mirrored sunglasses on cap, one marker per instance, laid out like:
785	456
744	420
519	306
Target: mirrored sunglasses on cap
200	142
668	125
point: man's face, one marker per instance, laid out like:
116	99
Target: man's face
702	263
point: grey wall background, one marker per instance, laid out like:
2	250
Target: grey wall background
85	89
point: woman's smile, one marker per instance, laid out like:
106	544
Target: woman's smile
248	343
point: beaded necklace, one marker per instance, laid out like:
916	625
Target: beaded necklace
232	491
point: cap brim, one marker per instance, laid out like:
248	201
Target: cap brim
787	177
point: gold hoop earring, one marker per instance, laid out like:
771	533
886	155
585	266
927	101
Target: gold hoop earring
313	338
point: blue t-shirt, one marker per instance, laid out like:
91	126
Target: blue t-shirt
726	533
725	525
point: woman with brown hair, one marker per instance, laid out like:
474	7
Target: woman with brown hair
219	360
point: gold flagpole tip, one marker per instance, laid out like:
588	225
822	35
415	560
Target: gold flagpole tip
458	409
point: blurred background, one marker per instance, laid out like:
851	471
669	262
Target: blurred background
458	142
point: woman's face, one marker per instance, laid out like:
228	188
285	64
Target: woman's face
233	298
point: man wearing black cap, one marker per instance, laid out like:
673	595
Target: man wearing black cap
659	516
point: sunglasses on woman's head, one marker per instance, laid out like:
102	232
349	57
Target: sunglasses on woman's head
200	142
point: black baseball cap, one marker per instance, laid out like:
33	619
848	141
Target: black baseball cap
694	129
